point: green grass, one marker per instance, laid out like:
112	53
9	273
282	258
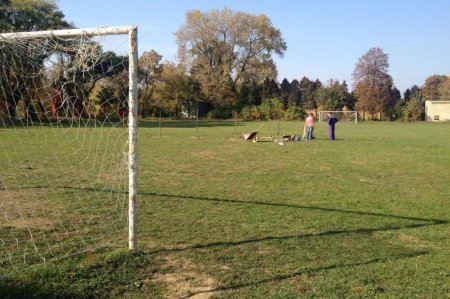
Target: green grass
367	215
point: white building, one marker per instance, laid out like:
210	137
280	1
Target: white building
437	110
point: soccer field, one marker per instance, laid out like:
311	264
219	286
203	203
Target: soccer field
364	216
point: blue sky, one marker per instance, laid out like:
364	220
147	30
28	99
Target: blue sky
325	38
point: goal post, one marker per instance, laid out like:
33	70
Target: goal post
133	150
68	126
342	116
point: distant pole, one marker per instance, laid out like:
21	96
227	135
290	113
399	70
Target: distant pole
278	135
159	124
235	125
196	123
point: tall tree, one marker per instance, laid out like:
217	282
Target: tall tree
434	88
416	91
295	95
285	90
249	94
224	48
393	104
333	96
270	89
350	99
444	90
255	96
31	15
150	68
372	83
243	96
407	94
309	89
175	89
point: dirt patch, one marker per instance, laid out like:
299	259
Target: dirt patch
206	154
264	250
359	163
366	180
28	222
409	239
187	281
303	283
23	209
359	289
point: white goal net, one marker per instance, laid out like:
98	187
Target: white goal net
342	116
68	143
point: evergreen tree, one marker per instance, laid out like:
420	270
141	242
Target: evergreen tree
270	89
285	90
295	95
333	96
309	89
407	94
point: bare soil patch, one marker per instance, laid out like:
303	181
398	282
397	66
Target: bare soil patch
24	209
187	281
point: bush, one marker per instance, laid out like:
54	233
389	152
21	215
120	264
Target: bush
294	113
396	112
414	110
220	113
251	113
272	109
269	110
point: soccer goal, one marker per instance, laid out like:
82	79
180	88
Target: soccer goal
342	116
68	139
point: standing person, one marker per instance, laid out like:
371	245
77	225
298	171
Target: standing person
309	126
331	125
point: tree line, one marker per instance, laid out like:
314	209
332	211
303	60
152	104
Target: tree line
225	67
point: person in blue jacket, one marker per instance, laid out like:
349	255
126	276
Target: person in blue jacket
331	125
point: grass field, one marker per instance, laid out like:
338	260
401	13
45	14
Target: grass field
367	215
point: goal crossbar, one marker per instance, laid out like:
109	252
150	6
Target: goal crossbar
108	30
352	115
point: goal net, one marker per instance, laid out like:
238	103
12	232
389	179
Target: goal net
342	116
68	143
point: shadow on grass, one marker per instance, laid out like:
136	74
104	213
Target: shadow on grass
14	289
423	223
291	237
419	222
275	204
281	277
429	221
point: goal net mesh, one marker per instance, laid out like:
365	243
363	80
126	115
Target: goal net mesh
342	116
64	147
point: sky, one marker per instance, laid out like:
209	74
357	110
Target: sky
325	38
